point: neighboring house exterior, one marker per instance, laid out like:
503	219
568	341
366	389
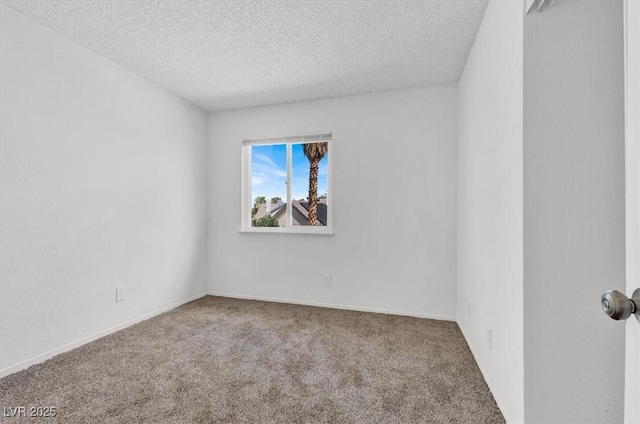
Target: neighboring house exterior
300	210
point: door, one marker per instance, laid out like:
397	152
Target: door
632	182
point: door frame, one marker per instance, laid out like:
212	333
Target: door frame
632	196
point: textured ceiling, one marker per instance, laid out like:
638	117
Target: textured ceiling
232	54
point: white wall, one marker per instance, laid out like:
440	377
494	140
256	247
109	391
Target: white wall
574	211
394	169
103	184
490	207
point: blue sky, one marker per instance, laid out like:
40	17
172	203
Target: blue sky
269	172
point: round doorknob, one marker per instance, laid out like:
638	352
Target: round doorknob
617	305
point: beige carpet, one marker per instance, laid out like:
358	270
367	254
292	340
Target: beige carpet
220	360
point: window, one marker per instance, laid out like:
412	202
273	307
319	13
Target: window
287	184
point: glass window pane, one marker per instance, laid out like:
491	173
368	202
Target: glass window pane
268	185
309	185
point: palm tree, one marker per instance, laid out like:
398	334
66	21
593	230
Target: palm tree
314	152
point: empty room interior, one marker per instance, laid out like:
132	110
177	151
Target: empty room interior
319	211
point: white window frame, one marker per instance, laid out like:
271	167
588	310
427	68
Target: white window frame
247	202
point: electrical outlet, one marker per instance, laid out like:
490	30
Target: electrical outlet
121	293
327	279
490	338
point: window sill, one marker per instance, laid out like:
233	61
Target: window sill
295	230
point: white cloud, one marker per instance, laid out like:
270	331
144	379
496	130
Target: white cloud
263	166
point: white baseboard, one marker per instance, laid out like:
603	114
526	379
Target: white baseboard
50	354
484	375
333	306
